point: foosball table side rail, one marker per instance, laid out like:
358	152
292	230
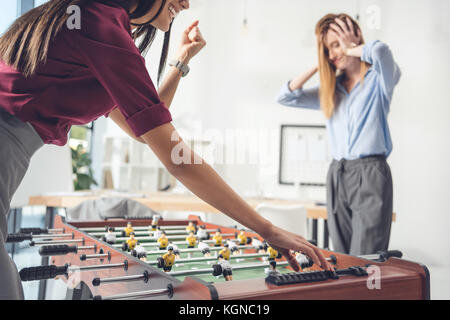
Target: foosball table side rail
156	279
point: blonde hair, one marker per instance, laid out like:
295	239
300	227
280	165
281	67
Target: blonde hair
327	70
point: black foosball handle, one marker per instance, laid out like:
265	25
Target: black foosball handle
33	230
42	272
18	237
57	250
385	255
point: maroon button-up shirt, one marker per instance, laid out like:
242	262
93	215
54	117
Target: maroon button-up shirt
88	73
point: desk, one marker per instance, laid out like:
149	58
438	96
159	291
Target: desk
163	201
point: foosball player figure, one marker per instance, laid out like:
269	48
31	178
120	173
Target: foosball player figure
191	240
233	247
204	247
155	220
130	243
225	252
273	254
258	245
140	252
217	239
191	227
129	229
176	250
303	260
110	237
272	270
167	260
163	241
202	234
223	267
157	233
243	239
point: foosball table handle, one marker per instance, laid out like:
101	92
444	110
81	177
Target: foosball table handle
33	230
385	255
42	272
18	237
57	250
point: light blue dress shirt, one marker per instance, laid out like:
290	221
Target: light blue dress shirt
358	127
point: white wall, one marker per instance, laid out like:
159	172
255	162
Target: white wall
234	81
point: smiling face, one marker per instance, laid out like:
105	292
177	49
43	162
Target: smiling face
335	52
171	9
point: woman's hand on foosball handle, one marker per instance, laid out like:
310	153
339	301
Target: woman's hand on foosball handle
285	242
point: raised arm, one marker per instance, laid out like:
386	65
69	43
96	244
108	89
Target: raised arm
380	57
192	42
292	94
204	182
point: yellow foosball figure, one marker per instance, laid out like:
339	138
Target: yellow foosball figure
217	239
191	240
129	229
225	252
273	254
167	260
163	241
242	238
131	242
191	227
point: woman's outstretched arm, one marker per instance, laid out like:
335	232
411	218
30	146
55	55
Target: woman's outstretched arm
203	181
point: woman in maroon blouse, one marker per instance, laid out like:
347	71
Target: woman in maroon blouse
55	73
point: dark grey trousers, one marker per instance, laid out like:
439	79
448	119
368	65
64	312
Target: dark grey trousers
359	205
18	142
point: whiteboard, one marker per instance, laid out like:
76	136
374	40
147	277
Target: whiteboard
304	155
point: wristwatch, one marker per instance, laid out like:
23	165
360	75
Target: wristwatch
180	66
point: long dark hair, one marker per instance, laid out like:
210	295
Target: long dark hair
25	44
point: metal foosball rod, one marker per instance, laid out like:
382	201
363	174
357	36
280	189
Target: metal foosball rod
202	259
56	242
20	237
235	267
137	228
152	239
52	271
63	249
140	294
144	277
149	233
193	250
155	244
101	255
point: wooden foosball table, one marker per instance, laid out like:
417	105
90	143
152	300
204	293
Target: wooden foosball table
96	265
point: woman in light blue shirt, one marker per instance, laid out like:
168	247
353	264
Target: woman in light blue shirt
357	81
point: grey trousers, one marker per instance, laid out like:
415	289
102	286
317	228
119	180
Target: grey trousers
359	205
18	142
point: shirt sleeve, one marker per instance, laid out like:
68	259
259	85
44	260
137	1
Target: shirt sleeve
300	98
380	57
107	48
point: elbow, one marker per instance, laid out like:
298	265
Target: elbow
381	51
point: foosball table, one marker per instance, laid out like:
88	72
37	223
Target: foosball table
97	260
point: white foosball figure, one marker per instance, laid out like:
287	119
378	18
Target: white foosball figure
157	233
110	237
202	234
233	247
204	247
141	252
